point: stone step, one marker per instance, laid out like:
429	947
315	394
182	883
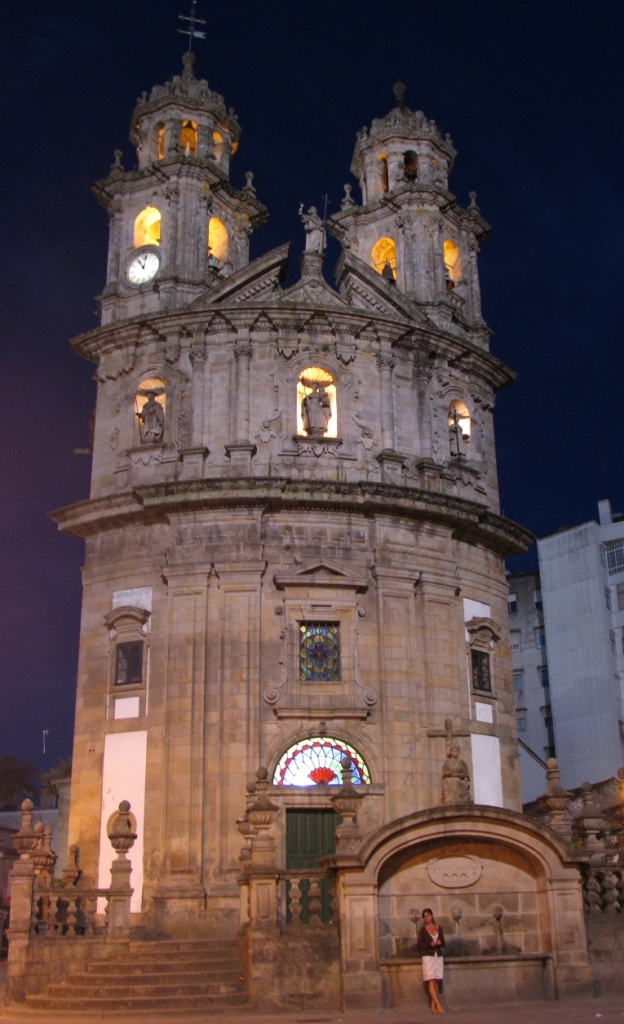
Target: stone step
129	1004
153	990
129	976
153	966
168	946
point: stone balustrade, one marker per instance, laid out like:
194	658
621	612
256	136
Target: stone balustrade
305	897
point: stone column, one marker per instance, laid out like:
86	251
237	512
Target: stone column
473	279
115	214
242	450
391	463
194	456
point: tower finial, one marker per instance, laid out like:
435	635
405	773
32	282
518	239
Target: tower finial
192	32
399	92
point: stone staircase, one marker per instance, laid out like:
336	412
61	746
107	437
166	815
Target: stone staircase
154	976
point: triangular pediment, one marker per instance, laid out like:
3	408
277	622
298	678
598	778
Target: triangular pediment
312	291
365	289
323	573
259	280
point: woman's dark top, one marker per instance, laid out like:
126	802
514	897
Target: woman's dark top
425	940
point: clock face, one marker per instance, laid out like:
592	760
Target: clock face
143	267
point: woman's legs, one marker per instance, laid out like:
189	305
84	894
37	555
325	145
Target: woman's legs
436	1005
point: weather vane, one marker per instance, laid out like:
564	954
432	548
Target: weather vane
192	32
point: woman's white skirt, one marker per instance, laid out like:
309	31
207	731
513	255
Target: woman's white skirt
433	968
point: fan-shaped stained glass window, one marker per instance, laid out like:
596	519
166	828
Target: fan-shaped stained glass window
319	652
316	761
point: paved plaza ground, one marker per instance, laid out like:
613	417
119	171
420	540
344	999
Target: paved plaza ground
603	1010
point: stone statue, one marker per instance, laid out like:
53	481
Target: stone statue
152	420
314	229
316	411
455	778
456	437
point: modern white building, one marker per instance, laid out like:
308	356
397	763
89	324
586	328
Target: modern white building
582	588
534	718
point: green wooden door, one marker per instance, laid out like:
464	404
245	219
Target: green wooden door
310	836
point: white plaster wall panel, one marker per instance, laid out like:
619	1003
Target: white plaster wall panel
127	707
123	778
487	783
483	712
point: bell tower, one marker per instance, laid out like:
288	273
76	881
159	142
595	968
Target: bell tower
409	227
177	226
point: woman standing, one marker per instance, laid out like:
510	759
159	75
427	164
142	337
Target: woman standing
430	941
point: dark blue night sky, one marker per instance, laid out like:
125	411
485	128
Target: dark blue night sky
532	96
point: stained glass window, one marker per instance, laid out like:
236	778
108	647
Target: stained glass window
316	761
319	651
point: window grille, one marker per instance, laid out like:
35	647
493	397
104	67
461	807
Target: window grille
481	671
129	663
319	651
614	555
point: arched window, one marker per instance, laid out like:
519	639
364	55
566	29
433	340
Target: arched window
217	240
150	406
383	173
452	264
410	165
147	227
217	139
383	255
160	140
188	138
316	403
318	760
459	428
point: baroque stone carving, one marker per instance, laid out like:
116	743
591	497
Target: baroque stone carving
455	872
455	778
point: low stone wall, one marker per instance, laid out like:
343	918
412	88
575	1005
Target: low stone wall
605	945
471	981
297	968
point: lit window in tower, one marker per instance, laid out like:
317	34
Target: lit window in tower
161	141
452	264
217	240
147	227
188	138
459	413
384	253
312	417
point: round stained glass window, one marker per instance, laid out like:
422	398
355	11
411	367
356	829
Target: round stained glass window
316	761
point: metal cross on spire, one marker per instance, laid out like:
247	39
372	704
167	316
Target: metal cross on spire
192	32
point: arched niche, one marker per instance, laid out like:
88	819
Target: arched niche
188	138
383	254
410	165
315	388
459	414
384	183
317	760
147	227
218	240
151	428
452	264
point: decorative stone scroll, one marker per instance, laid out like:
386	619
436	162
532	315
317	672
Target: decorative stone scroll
455	872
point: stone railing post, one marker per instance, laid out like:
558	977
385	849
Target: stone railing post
346	803
262	873
555	801
121	830
22	889
590	824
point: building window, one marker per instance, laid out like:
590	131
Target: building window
537	600
521	724
518	680
147	227
452	265
614	555
608	599
612	641
540	638
188	138
319	652
217	240
543	671
515	640
318	760
129	663
512	603
316	403
620	597
383	257
481	671
410	165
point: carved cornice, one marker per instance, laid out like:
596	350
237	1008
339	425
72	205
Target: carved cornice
467	521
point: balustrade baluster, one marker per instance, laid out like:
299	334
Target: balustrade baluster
72	912
619	885
333	902
593	894
314	901
295	900
34	913
609	892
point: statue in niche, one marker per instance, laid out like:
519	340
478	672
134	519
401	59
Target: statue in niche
455	778
316	411
456	437
152	419
314	228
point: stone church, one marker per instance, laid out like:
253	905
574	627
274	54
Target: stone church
294	650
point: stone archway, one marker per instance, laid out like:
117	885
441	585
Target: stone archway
520	900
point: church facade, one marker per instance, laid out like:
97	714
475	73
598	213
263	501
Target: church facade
294	639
